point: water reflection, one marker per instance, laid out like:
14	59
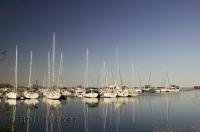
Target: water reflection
11	102
91	102
110	112
147	112
10	108
31	104
53	115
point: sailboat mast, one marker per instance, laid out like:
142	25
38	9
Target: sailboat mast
149	79
60	69
111	77
86	70
133	76
140	79
105	74
16	59
118	67
168	79
30	71
49	75
53	59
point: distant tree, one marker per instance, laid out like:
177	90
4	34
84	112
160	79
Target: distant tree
2	54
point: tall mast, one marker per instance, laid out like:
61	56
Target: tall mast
60	69
140	80
30	71
86	70
133	76
111	77
15	89
105	74
49	74
53	59
149	78
118	67
168	79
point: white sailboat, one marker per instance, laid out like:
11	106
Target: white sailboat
64	92
30	94
107	91
79	91
132	92
169	88
13	94
110	91
109	94
53	92
113	90
89	92
121	92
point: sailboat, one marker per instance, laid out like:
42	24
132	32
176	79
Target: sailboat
123	91
30	94
170	88
13	94
108	91
115	89
149	88
89	92
64	92
53	92
132	92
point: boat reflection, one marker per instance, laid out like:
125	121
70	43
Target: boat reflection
30	102
110	110
11	102
91	102
53	115
51	102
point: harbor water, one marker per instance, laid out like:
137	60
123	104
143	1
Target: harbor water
148	112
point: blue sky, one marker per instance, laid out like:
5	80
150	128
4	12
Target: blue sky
151	34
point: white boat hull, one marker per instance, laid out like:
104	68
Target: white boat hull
138	90
31	95
52	95
167	90
12	95
90	95
66	93
173	90
132	94
109	95
122	94
79	90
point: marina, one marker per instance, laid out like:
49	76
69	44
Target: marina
147	112
99	66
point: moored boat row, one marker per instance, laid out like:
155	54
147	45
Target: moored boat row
54	90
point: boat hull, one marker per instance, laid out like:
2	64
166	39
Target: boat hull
31	95
52	95
12	95
109	95
90	95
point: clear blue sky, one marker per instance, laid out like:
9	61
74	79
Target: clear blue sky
152	34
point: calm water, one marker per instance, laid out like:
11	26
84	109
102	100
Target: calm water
148	112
